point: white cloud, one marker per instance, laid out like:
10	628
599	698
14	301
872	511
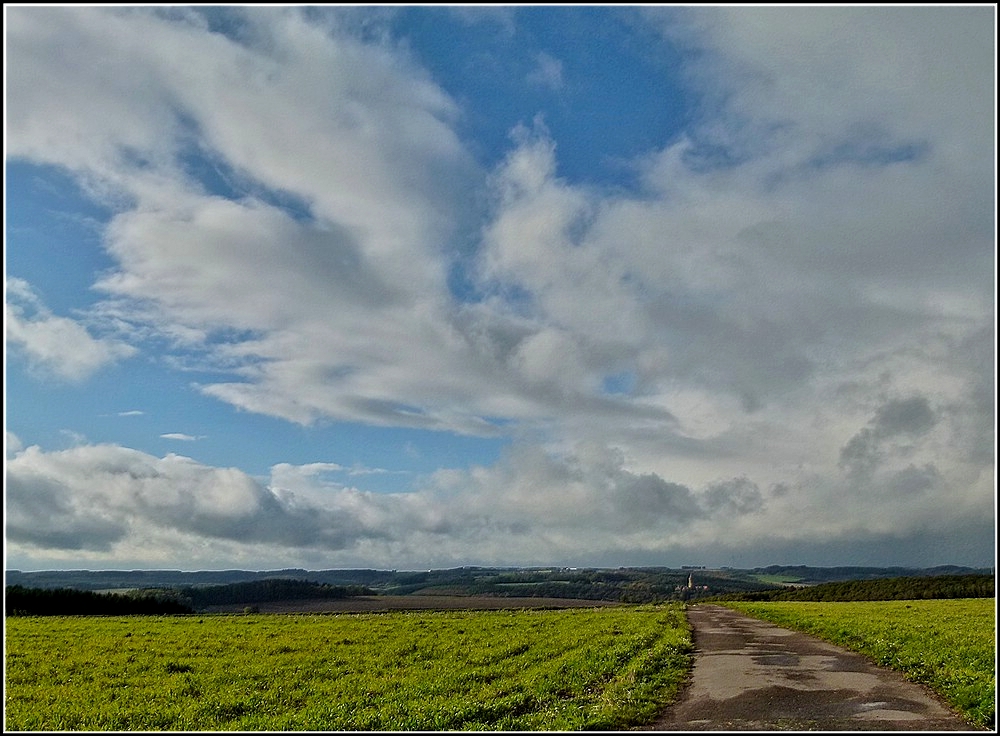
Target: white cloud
110	502
12	444
726	280
361	114
794	83
180	436
805	271
54	345
106	500
548	72
360	470
370	156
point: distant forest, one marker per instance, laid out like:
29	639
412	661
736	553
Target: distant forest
814	575
403	582
886	589
21	601
262	591
625	585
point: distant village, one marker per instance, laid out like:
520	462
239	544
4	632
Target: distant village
691	587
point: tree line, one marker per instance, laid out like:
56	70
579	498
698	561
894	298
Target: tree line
262	591
627	585
885	589
23	601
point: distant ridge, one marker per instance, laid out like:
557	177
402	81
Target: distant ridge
814	575
402	581
113	579
912	587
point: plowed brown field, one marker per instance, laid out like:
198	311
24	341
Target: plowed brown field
379	603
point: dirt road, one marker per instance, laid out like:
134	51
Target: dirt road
751	675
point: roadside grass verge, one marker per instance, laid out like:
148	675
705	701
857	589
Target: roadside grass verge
948	645
602	669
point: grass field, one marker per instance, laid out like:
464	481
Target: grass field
948	645
486	670
777	579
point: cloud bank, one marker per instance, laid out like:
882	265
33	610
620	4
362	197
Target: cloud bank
84	502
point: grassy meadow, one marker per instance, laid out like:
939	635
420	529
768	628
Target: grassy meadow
948	645
576	669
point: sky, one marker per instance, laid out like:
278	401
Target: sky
428	286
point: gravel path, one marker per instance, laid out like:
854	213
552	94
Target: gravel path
750	675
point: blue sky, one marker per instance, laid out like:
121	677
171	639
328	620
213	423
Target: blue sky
413	287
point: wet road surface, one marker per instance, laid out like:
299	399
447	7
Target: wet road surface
751	675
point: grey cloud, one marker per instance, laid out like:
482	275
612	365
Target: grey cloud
648	500
44	513
591	491
779	490
869	146
912	416
94	497
722	350
908	418
968	540
740	495
861	454
974	415
913	481
61	533
531	507
837	73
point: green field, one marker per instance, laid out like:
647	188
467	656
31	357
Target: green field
777	579
948	645
575	669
